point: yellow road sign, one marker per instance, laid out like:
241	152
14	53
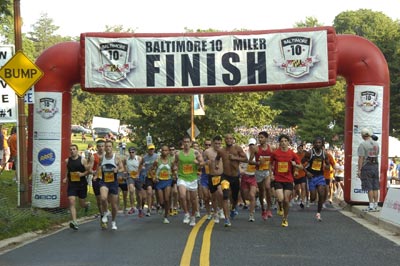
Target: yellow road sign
20	73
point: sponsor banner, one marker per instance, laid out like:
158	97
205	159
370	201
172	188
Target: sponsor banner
206	61
367	113
391	206
46	160
8	107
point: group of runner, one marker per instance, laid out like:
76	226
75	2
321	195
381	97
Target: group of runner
220	173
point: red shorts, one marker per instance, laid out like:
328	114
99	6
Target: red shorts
248	181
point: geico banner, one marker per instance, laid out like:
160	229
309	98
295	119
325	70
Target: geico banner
8	109
205	61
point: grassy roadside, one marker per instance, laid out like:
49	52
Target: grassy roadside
15	221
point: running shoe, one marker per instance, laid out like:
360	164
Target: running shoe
171	212
165	221
175	212
114	225
73	225
369	209
318	217
140	214
209	217
216	218
284	223
186	219
269	214
279	212
131	211
251	218
307	204
227	223
148	214
108	213
301	205
192	221
198	214
221	214
104	219
233	214
264	215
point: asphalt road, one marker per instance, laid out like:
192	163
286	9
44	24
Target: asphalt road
337	240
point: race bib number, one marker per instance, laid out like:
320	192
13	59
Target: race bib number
225	184
133	174
264	162
216	180
75	176
316	165
109	177
164	175
187	169
283	167
251	168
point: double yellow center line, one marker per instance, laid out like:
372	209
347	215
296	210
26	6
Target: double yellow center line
205	246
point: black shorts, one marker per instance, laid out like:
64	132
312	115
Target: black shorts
96	186
283	185
300	180
123	186
78	190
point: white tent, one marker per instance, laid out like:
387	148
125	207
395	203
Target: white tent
394	147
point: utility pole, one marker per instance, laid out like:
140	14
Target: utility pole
21	131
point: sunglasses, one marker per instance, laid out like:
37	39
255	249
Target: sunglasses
207	145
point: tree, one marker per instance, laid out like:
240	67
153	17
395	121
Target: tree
385	34
316	119
43	34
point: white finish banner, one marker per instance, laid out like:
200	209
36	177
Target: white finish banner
211	61
368	113
46	159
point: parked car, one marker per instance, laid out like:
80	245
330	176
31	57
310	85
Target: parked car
101	132
79	129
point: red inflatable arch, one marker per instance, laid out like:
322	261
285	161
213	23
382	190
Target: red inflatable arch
359	61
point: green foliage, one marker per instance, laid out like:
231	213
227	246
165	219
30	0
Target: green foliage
316	118
385	34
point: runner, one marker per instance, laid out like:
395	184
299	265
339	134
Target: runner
214	177
164	168
174	188
248	182
146	164
77	169
284	161
317	161
231	156
95	162
187	162
300	179
204	185
135	185
111	165
262	154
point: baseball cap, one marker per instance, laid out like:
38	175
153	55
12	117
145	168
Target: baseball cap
252	141
151	146
365	132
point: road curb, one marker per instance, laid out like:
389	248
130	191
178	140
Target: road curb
374	218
